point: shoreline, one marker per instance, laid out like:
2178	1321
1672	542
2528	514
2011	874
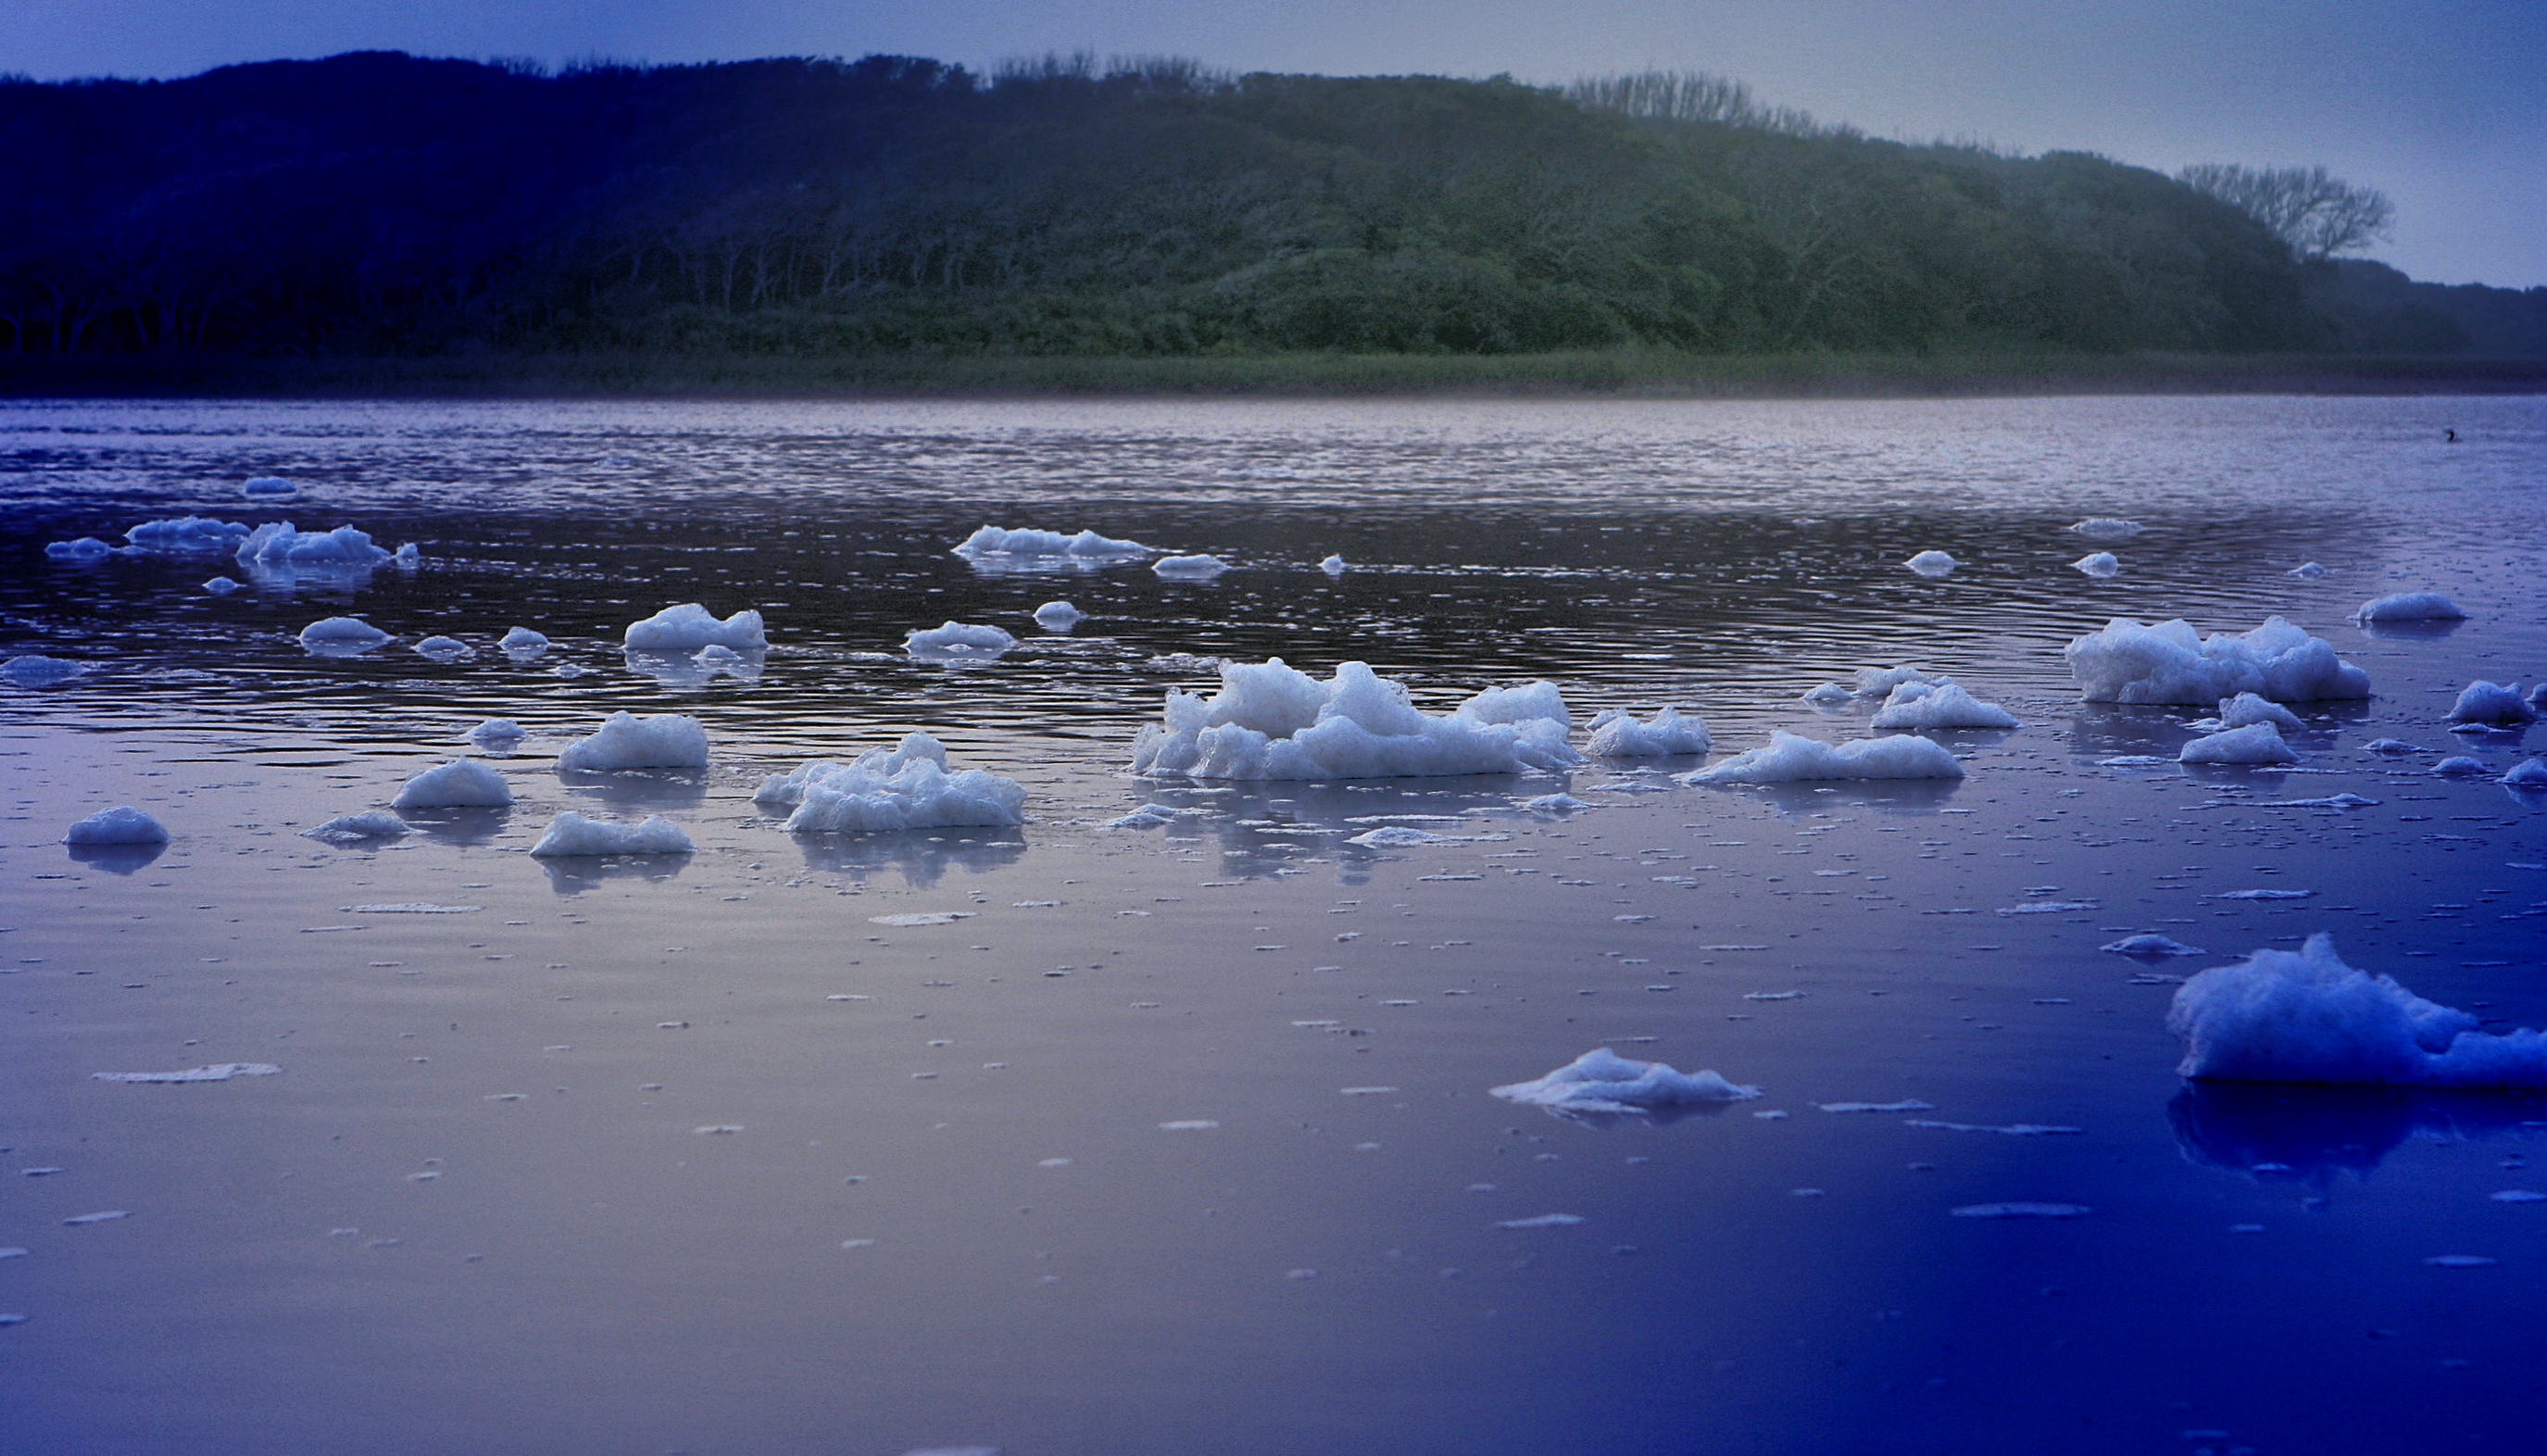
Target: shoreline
1627	374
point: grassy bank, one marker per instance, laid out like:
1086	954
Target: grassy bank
1634	373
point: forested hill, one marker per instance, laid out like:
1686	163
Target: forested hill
382	205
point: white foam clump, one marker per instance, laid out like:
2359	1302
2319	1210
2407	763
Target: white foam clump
1878	682
444	649
1086	545
572	836
269	488
904	787
1200	566
220	1071
1554	804
2257	744
1603	1081
1667	731
2107	528
354	828
2305	1016
221	586
462	784
2410	606
2169	663
1942	703
1789	758
2246	709
122	825
2099	564
341	635
36	670
2307	571
84	548
282	545
1271	720
1932	563
1333	565
1058	616
498	735
1829	695
690	626
957	641
2491	702
521	644
626	741
187	536
2529	773
2461	767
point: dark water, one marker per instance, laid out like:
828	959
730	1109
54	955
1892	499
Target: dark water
585	1271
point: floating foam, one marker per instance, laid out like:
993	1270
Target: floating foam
1554	804
354	828
1666	733
188	536
2099	564
122	825
2246	709
2491	702
221	586
342	636
463	784
2460	767
1940	703
2390	746
1906	1104
690	626
2305	1016
1197	567
2410	606
269	488
2011	1130
1603	1081
2169	663
957	641
85	548
220	1071
572	836
1058	616
36	670
904	787
2306	571
1084	547
2257	744
2107	528
522	644
1789	759
498	736
1270	721
1829	695
2151	945
626	741
1932	563
1880	682
1333	565
444	649
1400	836
2529	773
282	546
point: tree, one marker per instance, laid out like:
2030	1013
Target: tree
2315	213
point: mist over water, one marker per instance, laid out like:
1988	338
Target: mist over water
485	1204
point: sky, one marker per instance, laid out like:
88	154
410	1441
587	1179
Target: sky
2441	105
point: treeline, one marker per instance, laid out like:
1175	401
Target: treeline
380	205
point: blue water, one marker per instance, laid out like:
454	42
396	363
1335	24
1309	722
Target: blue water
585	1270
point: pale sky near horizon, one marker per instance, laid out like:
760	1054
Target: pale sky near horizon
2442	104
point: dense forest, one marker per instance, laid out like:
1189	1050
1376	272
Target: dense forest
380	204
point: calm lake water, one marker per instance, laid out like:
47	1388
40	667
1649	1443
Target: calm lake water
700	1156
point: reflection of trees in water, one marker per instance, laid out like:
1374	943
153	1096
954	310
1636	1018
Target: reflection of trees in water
576	873
922	856
2291	1133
